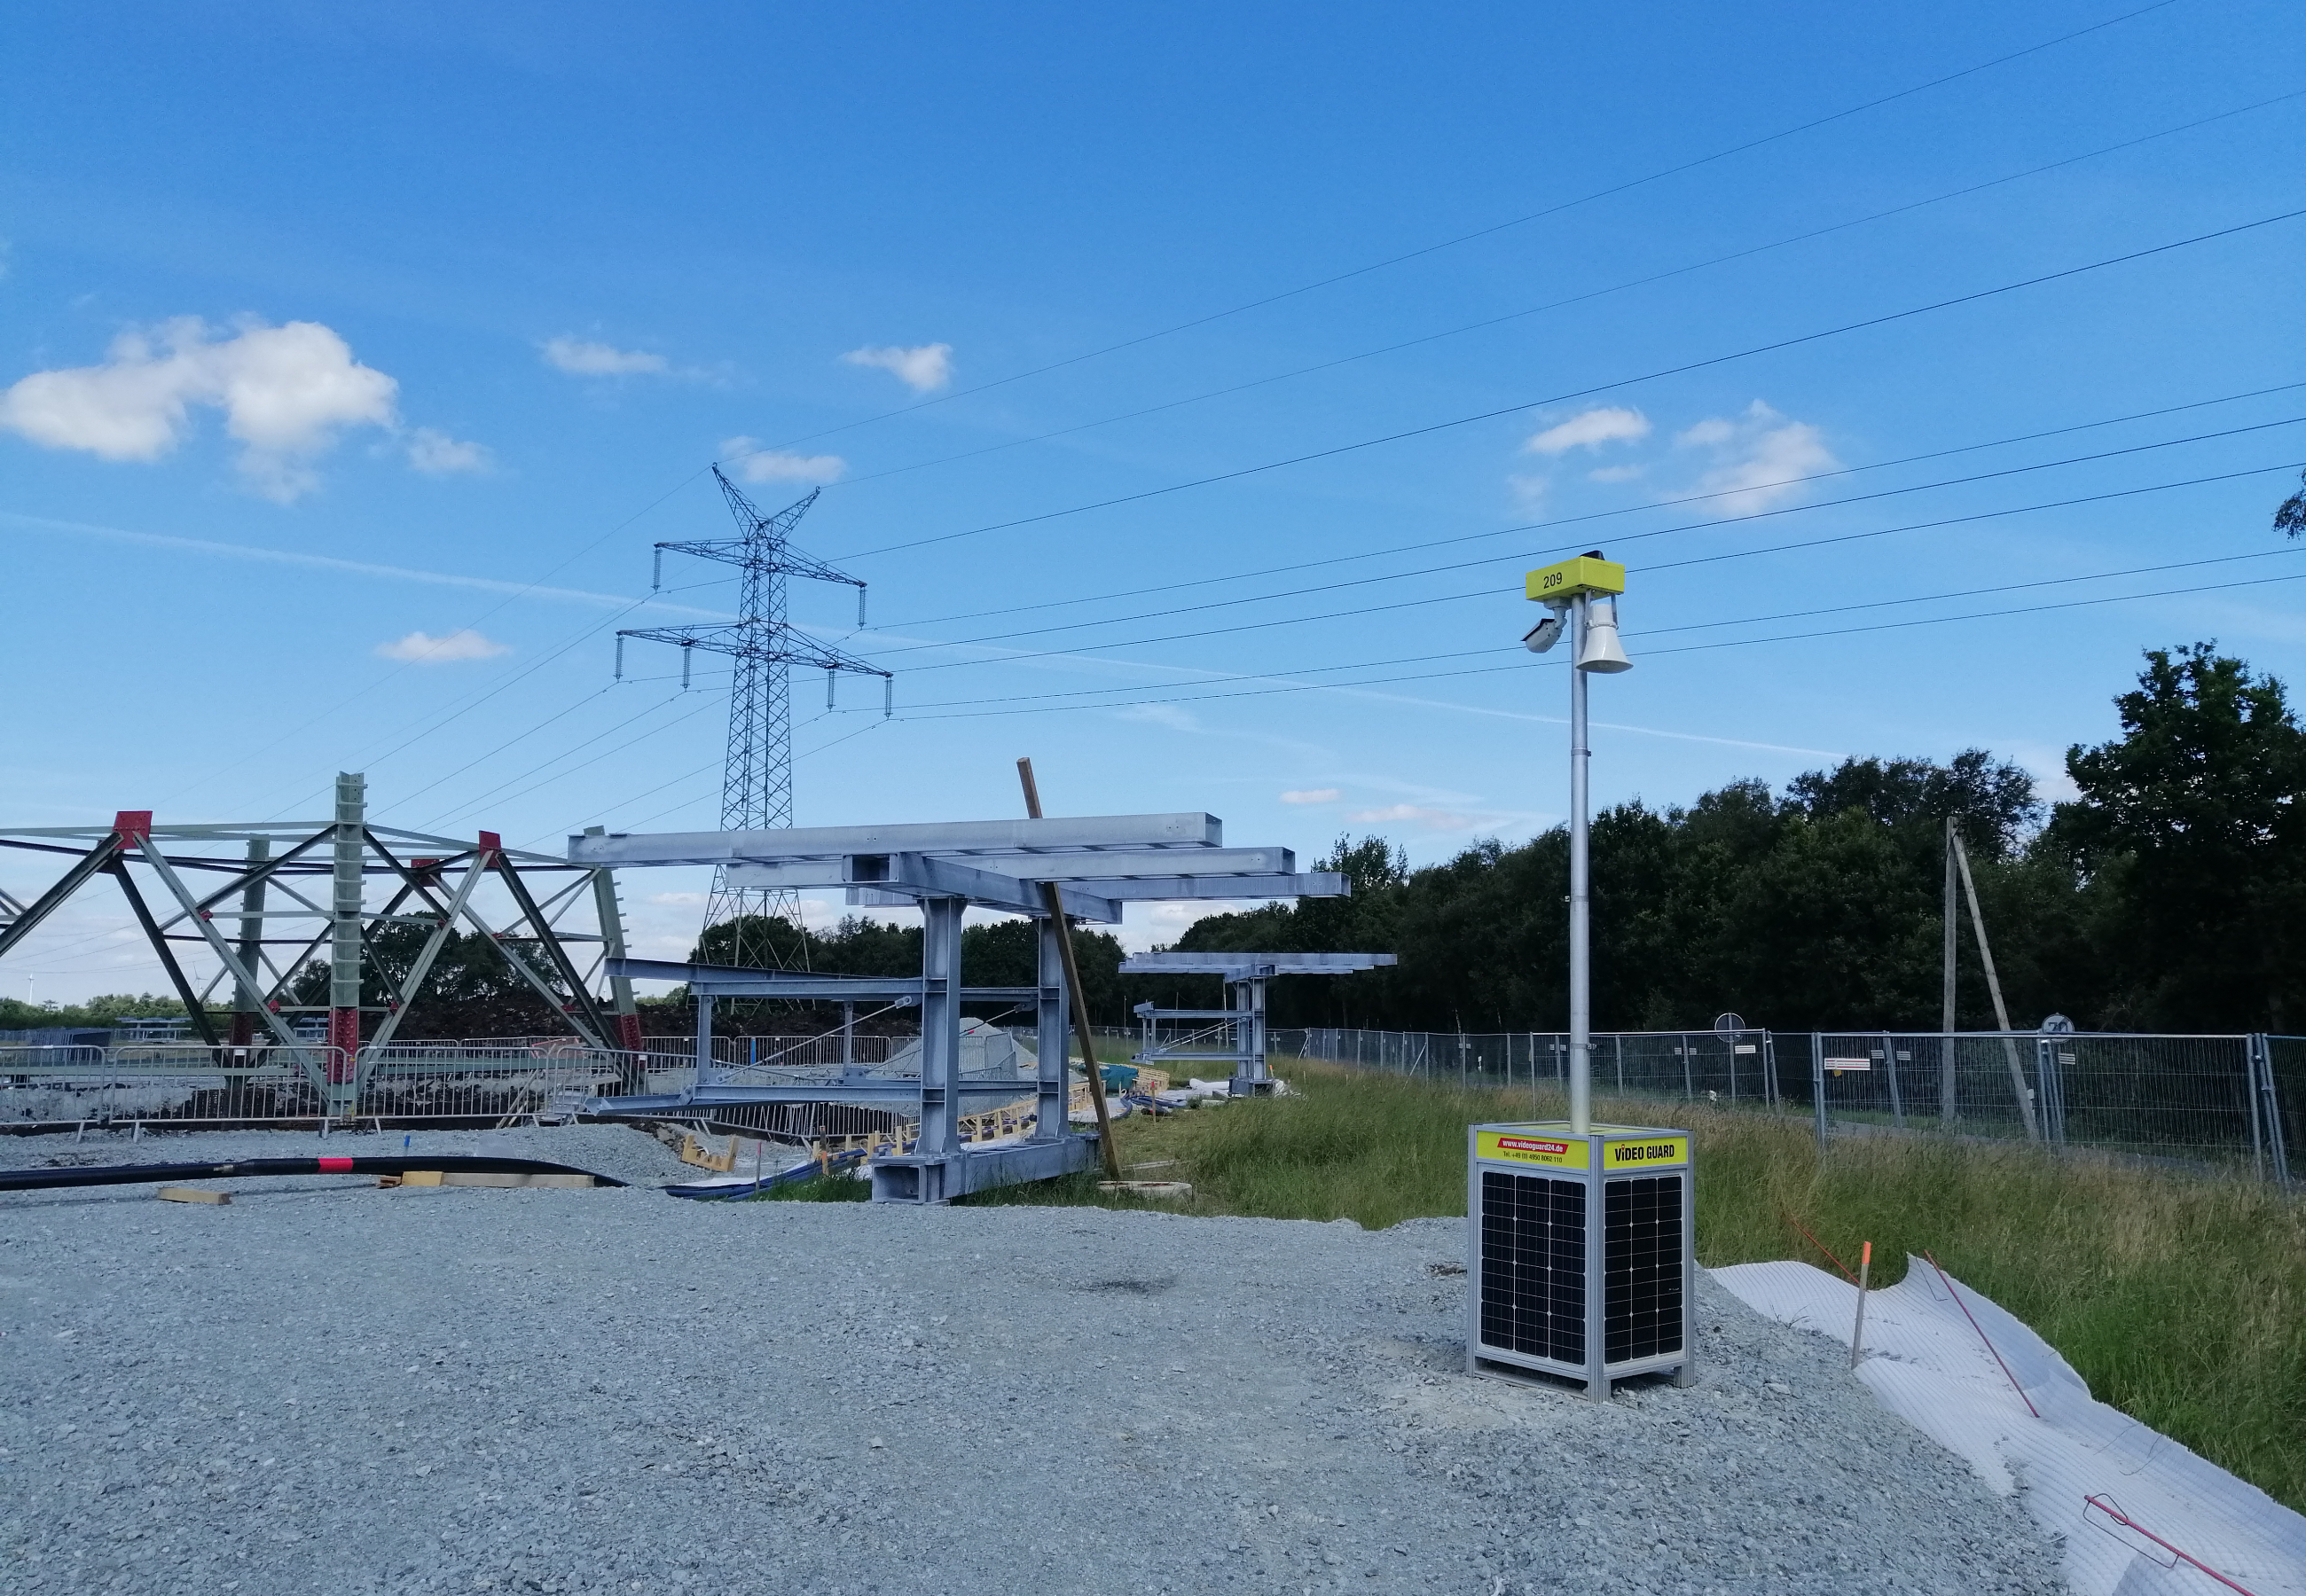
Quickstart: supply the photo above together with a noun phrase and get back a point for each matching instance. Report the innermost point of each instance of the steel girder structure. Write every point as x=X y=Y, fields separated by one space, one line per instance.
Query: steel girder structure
x=281 y=860
x=757 y=776
x=1241 y=1021
x=1097 y=862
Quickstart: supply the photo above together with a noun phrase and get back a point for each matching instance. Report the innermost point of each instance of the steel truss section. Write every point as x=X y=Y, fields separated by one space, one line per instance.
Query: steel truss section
x=274 y=881
x=1096 y=862
x=1238 y=1037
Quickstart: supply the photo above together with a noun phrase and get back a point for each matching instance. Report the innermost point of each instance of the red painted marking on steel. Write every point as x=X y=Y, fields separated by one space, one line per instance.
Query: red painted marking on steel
x=335 y=1166
x=1982 y=1336
x=133 y=825
x=2105 y=1505
x=491 y=842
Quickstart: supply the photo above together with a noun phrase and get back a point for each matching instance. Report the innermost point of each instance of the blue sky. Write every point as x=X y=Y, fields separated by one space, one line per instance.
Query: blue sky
x=354 y=357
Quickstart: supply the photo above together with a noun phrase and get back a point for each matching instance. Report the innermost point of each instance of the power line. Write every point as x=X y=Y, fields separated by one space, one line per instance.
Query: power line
x=1423 y=250
x=1685 y=648
x=1575 y=299
x=1010 y=656
x=1592 y=516
x=1169 y=610
x=1591 y=390
x=1204 y=675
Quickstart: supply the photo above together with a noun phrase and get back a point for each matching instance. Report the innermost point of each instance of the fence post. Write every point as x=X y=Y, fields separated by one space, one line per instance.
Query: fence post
x=1889 y=1062
x=1770 y=1067
x=1681 y=1046
x=2274 y=1145
x=1817 y=1084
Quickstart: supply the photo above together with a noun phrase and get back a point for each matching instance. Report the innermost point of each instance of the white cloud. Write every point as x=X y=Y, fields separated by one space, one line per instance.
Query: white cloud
x=759 y=464
x=1529 y=491
x=419 y=648
x=1162 y=714
x=580 y=357
x=285 y=392
x=922 y=368
x=1756 y=456
x=436 y=454
x=1591 y=428
x=678 y=900
x=1310 y=795
x=1441 y=820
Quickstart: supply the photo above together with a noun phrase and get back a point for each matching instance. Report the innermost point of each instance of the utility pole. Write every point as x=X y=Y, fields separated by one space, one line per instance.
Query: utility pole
x=1993 y=987
x=1947 y=1109
x=756 y=775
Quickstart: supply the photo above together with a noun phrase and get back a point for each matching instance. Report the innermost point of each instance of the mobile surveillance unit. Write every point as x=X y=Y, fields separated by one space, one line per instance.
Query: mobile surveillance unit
x=1581 y=1242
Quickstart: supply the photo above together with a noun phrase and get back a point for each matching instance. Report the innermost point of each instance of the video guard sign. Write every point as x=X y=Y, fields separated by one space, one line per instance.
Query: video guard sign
x=1580 y=1253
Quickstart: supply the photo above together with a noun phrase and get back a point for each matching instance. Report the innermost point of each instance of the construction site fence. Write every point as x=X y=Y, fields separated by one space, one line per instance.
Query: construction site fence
x=189 y=1084
x=2232 y=1102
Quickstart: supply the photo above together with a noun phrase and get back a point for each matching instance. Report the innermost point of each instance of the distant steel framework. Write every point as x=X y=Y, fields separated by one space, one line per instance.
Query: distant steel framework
x=1237 y=1035
x=756 y=780
x=317 y=872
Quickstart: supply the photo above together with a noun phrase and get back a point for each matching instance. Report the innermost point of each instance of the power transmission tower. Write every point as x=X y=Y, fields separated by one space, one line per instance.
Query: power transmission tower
x=757 y=780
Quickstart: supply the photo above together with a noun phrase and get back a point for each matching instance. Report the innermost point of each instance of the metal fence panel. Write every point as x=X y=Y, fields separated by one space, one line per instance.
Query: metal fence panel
x=2232 y=1102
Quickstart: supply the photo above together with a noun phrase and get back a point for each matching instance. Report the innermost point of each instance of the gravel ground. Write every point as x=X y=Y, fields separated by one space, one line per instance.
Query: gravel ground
x=336 y=1387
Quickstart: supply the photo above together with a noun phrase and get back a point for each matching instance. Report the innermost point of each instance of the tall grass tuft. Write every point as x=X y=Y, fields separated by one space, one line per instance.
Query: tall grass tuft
x=2180 y=1296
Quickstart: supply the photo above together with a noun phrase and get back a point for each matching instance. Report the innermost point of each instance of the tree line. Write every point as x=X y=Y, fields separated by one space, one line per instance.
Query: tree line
x=2168 y=894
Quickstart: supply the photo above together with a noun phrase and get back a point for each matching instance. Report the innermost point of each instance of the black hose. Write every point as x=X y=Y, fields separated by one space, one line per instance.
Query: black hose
x=129 y=1174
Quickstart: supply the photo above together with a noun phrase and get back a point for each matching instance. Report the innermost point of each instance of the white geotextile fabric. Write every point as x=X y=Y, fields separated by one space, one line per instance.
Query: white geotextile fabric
x=1926 y=1362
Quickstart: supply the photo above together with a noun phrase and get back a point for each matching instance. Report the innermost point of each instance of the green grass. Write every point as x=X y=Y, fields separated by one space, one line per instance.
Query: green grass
x=2180 y=1299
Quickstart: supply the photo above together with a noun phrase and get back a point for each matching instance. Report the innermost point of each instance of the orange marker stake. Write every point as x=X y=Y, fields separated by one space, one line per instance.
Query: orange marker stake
x=1857 y=1332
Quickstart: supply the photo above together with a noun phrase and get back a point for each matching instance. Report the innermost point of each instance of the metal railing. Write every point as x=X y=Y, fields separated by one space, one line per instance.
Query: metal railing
x=189 y=1084
x=2234 y=1103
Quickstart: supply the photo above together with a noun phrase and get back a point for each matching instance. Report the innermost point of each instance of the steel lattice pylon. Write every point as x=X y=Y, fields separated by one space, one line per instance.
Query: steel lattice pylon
x=757 y=780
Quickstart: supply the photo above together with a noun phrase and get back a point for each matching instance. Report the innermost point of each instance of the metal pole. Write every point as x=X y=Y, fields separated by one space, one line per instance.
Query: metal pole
x=941 y=1036
x=1581 y=962
x=1817 y=1084
x=246 y=998
x=1890 y=1066
x=612 y=915
x=1053 y=1113
x=350 y=854
x=703 y=1036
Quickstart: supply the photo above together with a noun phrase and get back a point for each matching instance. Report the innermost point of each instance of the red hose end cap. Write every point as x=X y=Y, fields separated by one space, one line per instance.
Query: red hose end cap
x=335 y=1166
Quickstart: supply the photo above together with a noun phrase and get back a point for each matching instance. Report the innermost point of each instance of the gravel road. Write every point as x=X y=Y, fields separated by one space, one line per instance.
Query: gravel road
x=324 y=1385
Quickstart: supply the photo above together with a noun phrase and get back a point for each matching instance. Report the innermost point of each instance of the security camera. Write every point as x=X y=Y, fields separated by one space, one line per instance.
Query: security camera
x=1543 y=635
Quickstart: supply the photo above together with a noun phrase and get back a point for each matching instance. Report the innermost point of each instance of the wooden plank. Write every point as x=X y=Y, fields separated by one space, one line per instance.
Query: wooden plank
x=192 y=1194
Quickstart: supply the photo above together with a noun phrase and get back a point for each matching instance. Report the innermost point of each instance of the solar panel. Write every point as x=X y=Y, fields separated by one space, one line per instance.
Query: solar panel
x=1641 y=1298
x=1534 y=1265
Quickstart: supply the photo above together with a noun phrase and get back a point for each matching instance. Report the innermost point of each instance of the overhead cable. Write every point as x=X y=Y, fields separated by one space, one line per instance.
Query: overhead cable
x=1008 y=656
x=1556 y=209
x=1576 y=299
x=1590 y=390
x=1172 y=609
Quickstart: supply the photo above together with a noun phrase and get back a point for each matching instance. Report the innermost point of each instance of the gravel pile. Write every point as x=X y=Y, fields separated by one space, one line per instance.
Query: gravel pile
x=464 y=1390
